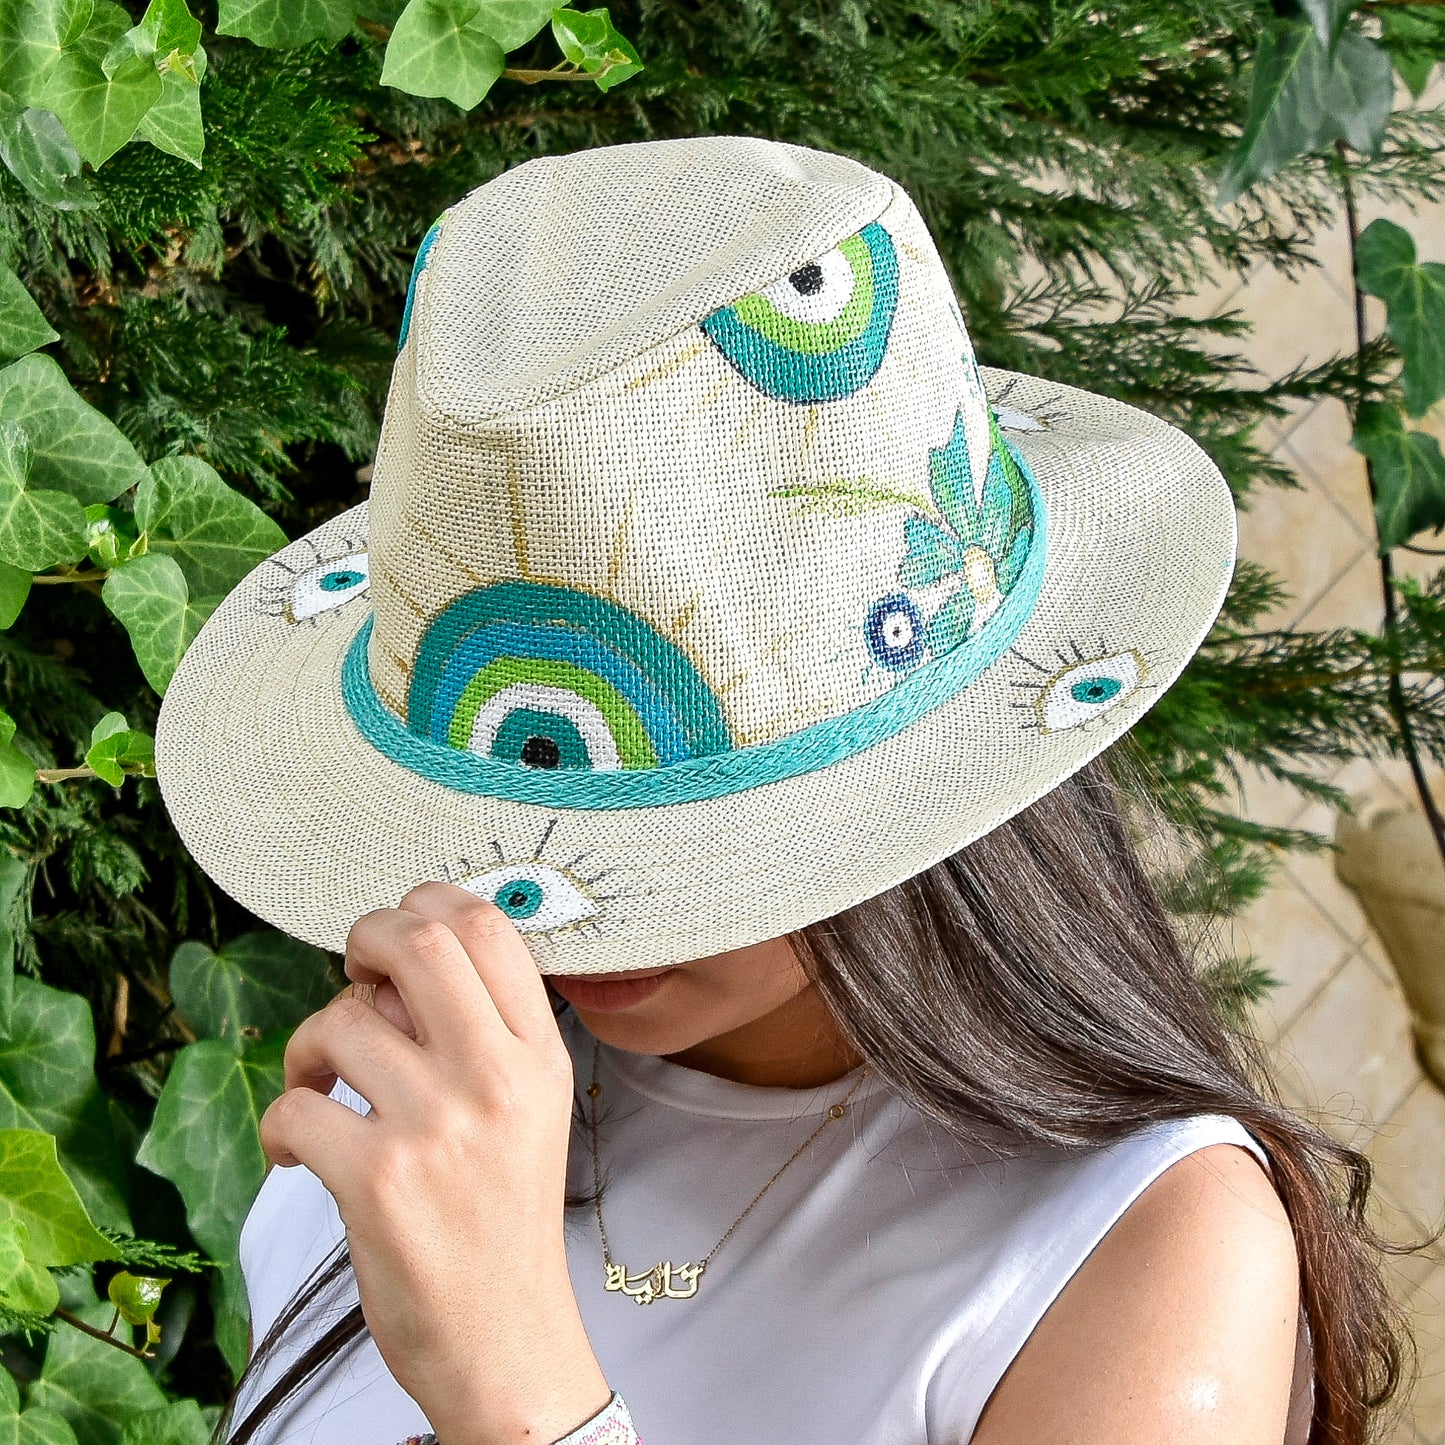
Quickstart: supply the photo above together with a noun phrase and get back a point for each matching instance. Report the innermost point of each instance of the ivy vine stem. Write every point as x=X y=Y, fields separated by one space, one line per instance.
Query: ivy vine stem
x=1396 y=691
x=80 y=1324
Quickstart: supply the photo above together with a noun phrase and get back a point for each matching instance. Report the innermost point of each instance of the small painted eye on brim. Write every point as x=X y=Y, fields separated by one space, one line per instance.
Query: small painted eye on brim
x=819 y=333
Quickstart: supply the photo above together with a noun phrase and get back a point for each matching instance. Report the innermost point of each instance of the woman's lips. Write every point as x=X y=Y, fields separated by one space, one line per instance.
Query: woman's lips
x=609 y=995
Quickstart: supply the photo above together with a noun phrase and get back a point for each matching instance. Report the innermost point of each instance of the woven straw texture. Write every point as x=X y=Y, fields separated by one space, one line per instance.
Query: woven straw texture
x=699 y=594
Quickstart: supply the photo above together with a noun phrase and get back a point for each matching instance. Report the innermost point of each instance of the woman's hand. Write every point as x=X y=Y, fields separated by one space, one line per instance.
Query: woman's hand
x=451 y=1188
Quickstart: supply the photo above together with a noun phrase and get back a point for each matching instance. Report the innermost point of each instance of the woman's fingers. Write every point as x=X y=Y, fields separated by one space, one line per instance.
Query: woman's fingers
x=498 y=952
x=464 y=972
x=449 y=1007
x=304 y=1127
x=351 y=1039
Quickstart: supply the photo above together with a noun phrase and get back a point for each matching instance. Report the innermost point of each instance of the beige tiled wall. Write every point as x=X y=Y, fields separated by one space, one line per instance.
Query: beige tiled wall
x=1337 y=1027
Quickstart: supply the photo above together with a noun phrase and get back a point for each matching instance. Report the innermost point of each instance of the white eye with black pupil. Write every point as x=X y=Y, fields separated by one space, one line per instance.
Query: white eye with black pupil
x=1081 y=692
x=816 y=293
x=535 y=897
x=328 y=585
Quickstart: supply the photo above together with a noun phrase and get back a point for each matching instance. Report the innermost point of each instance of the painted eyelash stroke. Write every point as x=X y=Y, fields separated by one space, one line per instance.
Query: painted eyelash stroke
x=462 y=870
x=276 y=593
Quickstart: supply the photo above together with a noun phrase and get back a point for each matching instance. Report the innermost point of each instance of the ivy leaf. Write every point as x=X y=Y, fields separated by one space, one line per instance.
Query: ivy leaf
x=214 y=533
x=38 y=528
x=91 y=1384
x=113 y=744
x=99 y=93
x=1302 y=100
x=256 y=984
x=17 y=772
x=1414 y=37
x=24 y=1284
x=1409 y=474
x=587 y=38
x=23 y=326
x=14 y=589
x=33 y=36
x=179 y=1423
x=283 y=23
x=136 y=1296
x=47 y=1082
x=173 y=123
x=75 y=448
x=1414 y=297
x=39 y=154
x=205 y=1139
x=443 y=48
x=35 y=1191
x=150 y=598
x=166 y=29
x=37 y=1426
x=111 y=535
x=1328 y=18
x=512 y=23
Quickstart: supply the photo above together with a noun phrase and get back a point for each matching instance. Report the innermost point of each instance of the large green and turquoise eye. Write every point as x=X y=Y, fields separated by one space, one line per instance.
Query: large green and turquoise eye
x=547 y=677
x=819 y=333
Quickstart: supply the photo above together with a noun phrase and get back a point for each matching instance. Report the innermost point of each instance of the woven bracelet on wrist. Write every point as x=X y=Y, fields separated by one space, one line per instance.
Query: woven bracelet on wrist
x=612 y=1425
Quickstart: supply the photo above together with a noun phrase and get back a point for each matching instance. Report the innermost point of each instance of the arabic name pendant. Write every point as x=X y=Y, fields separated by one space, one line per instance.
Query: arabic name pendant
x=656 y=1283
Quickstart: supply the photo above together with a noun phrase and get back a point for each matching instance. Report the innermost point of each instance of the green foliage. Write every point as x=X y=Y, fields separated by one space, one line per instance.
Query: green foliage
x=198 y=342
x=1409 y=474
x=204 y=1140
x=93 y=1386
x=258 y=983
x=33 y=1426
x=1306 y=96
x=1414 y=296
x=35 y=1193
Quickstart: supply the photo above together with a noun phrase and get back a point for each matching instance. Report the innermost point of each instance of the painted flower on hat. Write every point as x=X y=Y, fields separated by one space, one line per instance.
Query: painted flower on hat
x=818 y=333
x=983 y=540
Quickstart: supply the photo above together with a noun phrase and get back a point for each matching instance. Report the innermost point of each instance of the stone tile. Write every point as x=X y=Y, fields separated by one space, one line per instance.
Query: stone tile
x=1299 y=320
x=1409 y=1152
x=1353 y=1044
x=1385 y=1213
x=1282 y=531
x=1314 y=874
x=1265 y=799
x=1319 y=450
x=1427 y=1400
x=1353 y=596
x=1300 y=945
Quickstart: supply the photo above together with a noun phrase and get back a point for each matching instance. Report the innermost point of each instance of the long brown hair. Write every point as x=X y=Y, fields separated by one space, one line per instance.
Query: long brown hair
x=1032 y=987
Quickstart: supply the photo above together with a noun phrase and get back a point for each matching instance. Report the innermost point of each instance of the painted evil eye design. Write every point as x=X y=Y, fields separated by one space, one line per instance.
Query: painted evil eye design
x=819 y=333
x=1078 y=693
x=328 y=585
x=534 y=896
x=895 y=631
x=417 y=267
x=548 y=677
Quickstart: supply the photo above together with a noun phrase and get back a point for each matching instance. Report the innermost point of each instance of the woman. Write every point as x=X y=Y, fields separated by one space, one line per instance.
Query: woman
x=912 y=1123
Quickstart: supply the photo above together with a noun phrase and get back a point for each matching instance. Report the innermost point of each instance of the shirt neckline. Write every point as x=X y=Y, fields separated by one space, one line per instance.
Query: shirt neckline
x=696 y=1092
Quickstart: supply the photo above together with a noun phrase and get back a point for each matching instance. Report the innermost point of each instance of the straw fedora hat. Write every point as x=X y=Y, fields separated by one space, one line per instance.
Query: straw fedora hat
x=706 y=585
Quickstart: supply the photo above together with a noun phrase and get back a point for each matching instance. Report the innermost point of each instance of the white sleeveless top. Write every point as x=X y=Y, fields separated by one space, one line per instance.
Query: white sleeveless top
x=874 y=1296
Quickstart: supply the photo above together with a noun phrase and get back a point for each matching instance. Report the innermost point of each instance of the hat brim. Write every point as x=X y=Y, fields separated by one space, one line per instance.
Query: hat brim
x=291 y=810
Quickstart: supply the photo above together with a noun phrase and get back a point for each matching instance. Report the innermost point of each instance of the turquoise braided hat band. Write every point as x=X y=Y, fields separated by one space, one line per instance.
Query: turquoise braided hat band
x=691 y=757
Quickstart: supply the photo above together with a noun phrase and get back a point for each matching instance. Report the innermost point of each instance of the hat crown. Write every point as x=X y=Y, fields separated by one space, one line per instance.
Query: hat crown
x=687 y=480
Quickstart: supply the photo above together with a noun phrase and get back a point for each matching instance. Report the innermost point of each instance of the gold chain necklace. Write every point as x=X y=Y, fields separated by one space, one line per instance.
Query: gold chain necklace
x=657 y=1283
